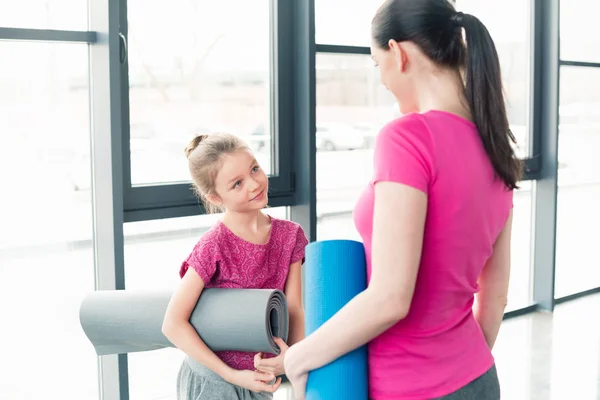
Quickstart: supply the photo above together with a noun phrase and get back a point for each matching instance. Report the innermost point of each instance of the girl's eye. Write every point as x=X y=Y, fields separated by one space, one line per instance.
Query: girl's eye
x=255 y=169
x=237 y=184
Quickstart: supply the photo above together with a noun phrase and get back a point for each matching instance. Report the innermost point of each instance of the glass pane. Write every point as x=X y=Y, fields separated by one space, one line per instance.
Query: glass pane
x=45 y=14
x=206 y=70
x=46 y=256
x=514 y=50
x=351 y=107
x=579 y=39
x=154 y=251
x=353 y=29
x=578 y=215
x=520 y=294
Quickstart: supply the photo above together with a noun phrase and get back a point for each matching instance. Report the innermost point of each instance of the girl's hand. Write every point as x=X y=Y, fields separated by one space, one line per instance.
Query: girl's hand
x=255 y=381
x=272 y=365
x=295 y=372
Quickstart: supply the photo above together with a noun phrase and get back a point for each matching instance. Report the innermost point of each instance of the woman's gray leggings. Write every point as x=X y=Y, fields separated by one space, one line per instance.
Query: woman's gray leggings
x=486 y=387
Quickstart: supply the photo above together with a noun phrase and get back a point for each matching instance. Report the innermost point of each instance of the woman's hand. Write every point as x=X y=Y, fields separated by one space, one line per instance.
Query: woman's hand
x=272 y=365
x=295 y=372
x=255 y=381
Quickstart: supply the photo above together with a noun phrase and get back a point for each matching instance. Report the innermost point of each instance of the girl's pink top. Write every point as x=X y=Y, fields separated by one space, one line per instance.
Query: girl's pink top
x=224 y=260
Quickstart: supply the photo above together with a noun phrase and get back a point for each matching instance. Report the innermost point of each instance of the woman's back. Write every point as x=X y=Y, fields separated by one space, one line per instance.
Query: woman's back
x=439 y=346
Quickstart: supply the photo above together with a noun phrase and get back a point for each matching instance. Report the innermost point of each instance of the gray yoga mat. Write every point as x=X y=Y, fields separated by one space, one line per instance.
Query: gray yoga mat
x=125 y=321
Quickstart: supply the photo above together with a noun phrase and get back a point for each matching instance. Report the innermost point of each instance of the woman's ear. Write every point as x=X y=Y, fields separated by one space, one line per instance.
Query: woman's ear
x=399 y=54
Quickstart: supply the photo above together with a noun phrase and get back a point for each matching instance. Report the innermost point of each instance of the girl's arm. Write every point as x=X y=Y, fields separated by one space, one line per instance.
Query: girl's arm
x=398 y=226
x=492 y=297
x=293 y=294
x=177 y=328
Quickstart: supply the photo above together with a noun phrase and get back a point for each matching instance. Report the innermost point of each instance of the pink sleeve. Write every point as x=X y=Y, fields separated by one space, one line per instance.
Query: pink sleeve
x=203 y=260
x=404 y=154
x=299 y=248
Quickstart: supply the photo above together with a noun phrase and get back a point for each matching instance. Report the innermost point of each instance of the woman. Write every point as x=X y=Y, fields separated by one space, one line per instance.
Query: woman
x=435 y=219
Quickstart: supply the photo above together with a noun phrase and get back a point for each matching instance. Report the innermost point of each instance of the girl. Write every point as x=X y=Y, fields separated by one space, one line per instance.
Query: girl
x=245 y=249
x=435 y=218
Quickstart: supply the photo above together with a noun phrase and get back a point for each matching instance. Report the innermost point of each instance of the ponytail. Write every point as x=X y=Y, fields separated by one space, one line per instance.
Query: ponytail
x=436 y=28
x=484 y=94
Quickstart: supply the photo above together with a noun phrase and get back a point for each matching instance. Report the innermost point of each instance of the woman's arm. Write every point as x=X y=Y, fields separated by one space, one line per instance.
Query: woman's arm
x=398 y=225
x=293 y=294
x=177 y=328
x=492 y=297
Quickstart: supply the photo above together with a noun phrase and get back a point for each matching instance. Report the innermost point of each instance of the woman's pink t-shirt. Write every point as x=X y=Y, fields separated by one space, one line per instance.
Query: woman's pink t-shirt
x=224 y=260
x=439 y=347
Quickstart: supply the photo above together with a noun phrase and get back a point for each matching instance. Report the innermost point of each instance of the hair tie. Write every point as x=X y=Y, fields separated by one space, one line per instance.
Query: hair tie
x=457 y=18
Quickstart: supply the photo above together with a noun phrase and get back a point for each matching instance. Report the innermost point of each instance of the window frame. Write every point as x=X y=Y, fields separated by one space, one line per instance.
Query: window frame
x=562 y=62
x=177 y=199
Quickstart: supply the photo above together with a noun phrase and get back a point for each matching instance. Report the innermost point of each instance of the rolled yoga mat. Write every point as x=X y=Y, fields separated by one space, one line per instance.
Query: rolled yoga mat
x=335 y=272
x=124 y=321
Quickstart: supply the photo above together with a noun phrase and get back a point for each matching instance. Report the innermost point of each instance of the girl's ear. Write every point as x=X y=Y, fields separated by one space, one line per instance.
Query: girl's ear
x=215 y=200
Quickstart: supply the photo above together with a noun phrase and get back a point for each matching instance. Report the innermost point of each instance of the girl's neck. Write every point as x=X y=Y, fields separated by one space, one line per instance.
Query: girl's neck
x=249 y=222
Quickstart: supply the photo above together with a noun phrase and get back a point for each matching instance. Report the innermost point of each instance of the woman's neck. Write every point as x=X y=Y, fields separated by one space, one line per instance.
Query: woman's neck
x=442 y=90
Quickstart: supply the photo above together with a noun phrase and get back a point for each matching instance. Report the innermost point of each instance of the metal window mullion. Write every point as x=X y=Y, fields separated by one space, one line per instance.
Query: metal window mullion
x=107 y=187
x=282 y=104
x=47 y=35
x=300 y=36
x=341 y=49
x=581 y=64
x=545 y=106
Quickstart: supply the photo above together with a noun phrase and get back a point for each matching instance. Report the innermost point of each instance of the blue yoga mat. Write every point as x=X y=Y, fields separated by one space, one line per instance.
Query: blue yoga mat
x=335 y=272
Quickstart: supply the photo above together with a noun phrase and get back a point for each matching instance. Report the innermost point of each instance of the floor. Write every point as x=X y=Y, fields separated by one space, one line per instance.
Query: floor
x=546 y=356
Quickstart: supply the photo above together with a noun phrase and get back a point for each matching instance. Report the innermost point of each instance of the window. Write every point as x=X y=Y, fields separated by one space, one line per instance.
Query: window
x=45 y=14
x=154 y=251
x=352 y=105
x=344 y=22
x=514 y=50
x=513 y=46
x=207 y=69
x=578 y=216
x=519 y=290
x=579 y=40
x=46 y=253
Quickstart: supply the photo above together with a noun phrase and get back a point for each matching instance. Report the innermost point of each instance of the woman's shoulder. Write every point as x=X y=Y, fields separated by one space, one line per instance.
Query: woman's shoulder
x=408 y=128
x=408 y=122
x=425 y=124
x=407 y=131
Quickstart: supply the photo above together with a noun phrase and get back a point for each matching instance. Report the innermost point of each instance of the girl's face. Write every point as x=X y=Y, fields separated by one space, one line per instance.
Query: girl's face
x=241 y=185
